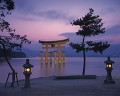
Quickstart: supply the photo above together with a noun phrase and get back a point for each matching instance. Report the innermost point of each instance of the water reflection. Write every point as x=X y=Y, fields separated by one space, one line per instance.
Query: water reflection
x=72 y=66
x=51 y=69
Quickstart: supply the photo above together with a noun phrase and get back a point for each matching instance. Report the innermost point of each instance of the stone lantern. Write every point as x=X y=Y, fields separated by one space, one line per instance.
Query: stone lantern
x=109 y=69
x=27 y=72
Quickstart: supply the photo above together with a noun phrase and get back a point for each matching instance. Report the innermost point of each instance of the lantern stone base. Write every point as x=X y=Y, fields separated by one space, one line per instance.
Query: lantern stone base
x=109 y=82
x=27 y=82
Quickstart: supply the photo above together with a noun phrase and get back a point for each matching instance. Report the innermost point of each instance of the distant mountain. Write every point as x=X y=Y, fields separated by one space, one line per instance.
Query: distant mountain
x=112 y=51
x=31 y=53
x=15 y=54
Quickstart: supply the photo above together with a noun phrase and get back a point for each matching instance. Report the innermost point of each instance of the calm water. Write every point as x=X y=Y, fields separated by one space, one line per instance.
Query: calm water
x=73 y=66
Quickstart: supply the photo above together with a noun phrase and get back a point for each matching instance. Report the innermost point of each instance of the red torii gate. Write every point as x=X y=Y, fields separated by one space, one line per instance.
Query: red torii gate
x=53 y=44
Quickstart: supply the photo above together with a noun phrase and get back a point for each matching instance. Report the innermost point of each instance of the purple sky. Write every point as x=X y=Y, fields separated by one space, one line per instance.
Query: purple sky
x=50 y=19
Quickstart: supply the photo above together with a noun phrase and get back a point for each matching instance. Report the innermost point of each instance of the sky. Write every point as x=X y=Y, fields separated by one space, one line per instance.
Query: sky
x=51 y=19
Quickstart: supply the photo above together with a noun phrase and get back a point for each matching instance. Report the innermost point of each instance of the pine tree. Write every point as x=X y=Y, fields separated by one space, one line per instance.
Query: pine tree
x=90 y=25
x=12 y=40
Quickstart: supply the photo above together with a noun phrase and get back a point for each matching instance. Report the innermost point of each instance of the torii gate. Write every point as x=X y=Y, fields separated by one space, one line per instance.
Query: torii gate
x=53 y=44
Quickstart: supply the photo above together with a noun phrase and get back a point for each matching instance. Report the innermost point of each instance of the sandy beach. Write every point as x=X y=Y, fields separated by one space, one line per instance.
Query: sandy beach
x=49 y=86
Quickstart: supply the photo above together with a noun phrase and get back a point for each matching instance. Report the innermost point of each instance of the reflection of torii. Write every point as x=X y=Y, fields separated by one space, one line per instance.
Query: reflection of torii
x=53 y=44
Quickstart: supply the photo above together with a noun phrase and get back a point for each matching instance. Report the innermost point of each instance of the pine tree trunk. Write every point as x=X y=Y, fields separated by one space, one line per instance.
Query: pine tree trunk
x=84 y=56
x=6 y=57
x=84 y=62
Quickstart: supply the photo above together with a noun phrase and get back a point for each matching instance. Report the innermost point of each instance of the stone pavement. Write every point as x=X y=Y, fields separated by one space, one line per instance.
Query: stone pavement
x=72 y=87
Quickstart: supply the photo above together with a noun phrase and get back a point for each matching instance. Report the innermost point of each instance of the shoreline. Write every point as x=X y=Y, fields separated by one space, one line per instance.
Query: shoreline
x=49 y=86
x=54 y=78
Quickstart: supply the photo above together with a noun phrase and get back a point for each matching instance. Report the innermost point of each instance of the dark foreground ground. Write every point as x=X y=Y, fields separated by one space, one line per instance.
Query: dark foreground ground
x=71 y=87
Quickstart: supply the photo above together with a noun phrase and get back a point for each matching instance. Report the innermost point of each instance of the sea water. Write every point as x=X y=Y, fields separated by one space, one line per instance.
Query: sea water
x=72 y=66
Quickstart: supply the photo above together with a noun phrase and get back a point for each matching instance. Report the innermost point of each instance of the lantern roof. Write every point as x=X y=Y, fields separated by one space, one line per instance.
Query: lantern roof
x=27 y=64
x=108 y=61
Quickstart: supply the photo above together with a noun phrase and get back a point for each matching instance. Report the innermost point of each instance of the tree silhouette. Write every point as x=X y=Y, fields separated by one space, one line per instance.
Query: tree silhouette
x=11 y=40
x=90 y=25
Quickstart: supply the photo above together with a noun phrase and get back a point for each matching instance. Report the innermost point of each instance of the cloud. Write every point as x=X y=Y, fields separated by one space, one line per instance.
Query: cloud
x=34 y=10
x=66 y=9
x=54 y=15
x=51 y=15
x=112 y=36
x=114 y=30
x=26 y=6
x=108 y=11
x=72 y=37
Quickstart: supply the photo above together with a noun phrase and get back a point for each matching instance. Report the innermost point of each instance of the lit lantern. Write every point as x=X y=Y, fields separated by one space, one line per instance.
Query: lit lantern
x=27 y=67
x=109 y=63
x=27 y=72
x=109 y=66
x=109 y=69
